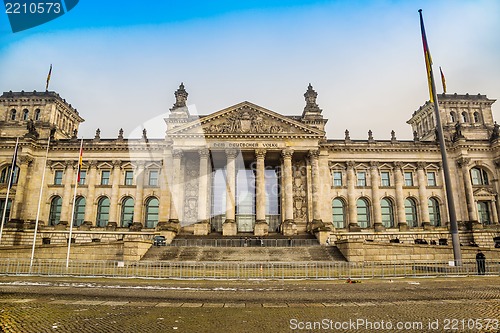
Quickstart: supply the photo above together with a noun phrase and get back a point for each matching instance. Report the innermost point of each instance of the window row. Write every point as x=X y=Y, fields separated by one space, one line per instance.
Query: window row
x=464 y=117
x=25 y=114
x=103 y=207
x=339 y=212
x=385 y=178
x=128 y=179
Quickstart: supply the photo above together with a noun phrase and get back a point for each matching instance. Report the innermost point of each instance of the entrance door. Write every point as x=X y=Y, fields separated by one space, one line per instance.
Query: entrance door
x=245 y=200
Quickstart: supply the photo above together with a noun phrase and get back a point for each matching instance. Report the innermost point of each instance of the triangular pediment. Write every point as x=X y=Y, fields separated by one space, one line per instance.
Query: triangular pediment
x=483 y=192
x=245 y=119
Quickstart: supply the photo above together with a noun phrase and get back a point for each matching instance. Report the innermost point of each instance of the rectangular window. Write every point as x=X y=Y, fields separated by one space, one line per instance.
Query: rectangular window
x=385 y=180
x=431 y=179
x=361 y=178
x=129 y=177
x=83 y=175
x=337 y=178
x=153 y=178
x=408 y=178
x=105 y=177
x=58 y=176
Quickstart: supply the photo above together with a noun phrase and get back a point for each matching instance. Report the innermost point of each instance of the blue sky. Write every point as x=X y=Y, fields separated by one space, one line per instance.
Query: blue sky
x=119 y=62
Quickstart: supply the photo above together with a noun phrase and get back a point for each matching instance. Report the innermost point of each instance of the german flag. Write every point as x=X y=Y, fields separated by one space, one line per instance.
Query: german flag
x=443 y=80
x=428 y=58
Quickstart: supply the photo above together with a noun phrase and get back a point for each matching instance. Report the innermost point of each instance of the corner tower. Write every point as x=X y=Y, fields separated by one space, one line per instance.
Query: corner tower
x=39 y=113
x=463 y=116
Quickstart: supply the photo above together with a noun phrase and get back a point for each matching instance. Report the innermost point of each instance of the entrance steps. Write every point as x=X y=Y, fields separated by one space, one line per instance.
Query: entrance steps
x=253 y=253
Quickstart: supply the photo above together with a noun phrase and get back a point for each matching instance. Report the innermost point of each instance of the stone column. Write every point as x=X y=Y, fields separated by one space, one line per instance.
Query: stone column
x=175 y=200
x=229 y=226
x=288 y=227
x=261 y=227
x=139 y=193
x=351 y=198
x=164 y=193
x=494 y=212
x=114 y=215
x=203 y=225
x=377 y=210
x=316 y=207
x=422 y=196
x=89 y=202
x=400 y=199
x=19 y=199
x=469 y=194
x=67 y=197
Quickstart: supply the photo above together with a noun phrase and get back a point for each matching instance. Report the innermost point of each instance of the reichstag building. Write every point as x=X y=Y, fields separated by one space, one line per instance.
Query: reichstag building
x=247 y=170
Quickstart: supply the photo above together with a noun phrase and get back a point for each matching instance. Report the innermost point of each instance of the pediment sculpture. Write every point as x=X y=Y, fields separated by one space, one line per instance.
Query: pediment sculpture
x=246 y=121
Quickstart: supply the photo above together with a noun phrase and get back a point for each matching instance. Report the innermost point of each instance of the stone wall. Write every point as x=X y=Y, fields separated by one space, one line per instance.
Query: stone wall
x=15 y=237
x=130 y=250
x=482 y=237
x=360 y=250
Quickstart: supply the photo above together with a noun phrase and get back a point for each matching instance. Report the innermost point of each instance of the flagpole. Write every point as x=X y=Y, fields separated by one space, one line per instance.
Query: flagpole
x=444 y=156
x=39 y=203
x=12 y=169
x=74 y=200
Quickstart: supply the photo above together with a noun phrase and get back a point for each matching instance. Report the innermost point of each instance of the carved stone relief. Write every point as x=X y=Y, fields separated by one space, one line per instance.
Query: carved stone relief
x=299 y=192
x=191 y=182
x=247 y=120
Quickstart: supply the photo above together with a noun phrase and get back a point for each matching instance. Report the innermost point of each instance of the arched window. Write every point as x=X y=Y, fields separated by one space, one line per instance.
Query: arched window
x=465 y=117
x=453 y=117
x=102 y=212
x=127 y=216
x=55 y=210
x=13 y=114
x=37 y=114
x=411 y=212
x=338 y=213
x=434 y=213
x=479 y=176
x=363 y=211
x=26 y=114
x=79 y=216
x=152 y=208
x=476 y=117
x=387 y=213
x=5 y=175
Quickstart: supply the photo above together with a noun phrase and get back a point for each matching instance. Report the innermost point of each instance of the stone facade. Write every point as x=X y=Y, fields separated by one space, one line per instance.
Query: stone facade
x=247 y=169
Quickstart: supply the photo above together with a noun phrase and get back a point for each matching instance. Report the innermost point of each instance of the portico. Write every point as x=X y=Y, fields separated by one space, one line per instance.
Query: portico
x=245 y=169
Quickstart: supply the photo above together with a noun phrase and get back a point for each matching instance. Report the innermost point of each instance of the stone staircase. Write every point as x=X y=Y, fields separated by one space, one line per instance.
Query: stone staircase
x=208 y=253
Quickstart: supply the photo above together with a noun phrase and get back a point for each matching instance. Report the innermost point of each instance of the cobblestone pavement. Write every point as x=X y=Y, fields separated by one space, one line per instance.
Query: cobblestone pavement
x=42 y=304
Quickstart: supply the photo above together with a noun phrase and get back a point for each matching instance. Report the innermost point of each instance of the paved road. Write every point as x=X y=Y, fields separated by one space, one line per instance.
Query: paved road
x=45 y=304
